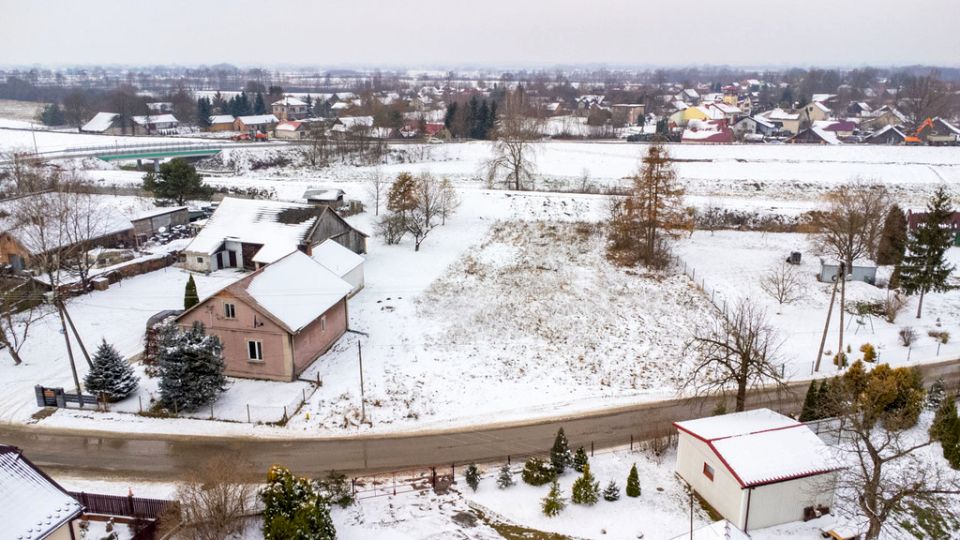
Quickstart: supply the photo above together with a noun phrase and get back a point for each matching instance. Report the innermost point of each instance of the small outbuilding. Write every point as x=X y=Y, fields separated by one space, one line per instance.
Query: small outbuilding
x=863 y=270
x=344 y=263
x=757 y=468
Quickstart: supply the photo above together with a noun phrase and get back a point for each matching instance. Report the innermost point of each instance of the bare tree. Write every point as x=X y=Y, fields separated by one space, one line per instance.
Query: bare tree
x=421 y=219
x=316 y=148
x=449 y=200
x=377 y=186
x=885 y=470
x=86 y=222
x=850 y=223
x=514 y=145
x=784 y=284
x=24 y=174
x=711 y=218
x=20 y=306
x=740 y=350
x=923 y=97
x=213 y=504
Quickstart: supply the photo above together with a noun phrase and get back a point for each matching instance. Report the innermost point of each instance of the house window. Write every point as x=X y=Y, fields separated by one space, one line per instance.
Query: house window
x=708 y=471
x=255 y=351
x=200 y=260
x=230 y=311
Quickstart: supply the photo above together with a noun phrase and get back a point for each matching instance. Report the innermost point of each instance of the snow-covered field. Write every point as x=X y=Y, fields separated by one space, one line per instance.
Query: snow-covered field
x=531 y=317
x=731 y=265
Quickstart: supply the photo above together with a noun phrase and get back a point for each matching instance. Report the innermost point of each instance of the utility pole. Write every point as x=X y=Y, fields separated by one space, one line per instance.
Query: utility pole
x=66 y=337
x=363 y=401
x=76 y=334
x=826 y=325
x=843 y=296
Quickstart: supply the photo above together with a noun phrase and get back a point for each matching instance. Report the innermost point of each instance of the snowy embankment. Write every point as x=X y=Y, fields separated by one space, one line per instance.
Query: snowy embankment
x=731 y=265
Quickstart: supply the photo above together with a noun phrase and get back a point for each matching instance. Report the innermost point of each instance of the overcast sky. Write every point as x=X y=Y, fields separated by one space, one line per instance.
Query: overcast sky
x=493 y=32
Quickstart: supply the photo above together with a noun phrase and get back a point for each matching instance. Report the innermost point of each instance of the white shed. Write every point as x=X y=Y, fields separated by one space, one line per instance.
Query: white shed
x=757 y=468
x=338 y=259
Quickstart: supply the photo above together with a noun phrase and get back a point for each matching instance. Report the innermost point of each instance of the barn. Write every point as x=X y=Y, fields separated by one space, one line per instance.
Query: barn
x=756 y=468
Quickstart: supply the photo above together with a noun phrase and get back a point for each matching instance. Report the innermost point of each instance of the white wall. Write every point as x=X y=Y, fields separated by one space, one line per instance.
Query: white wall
x=355 y=279
x=784 y=502
x=723 y=493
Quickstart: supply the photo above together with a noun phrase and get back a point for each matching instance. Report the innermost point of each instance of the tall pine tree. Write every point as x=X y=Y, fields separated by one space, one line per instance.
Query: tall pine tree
x=809 y=410
x=633 y=482
x=191 y=369
x=190 y=296
x=111 y=377
x=259 y=107
x=893 y=238
x=560 y=455
x=924 y=268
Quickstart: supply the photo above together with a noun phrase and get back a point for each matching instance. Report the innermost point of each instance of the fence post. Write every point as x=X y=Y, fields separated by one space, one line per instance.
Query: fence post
x=130 y=503
x=453 y=473
x=62 y=400
x=38 y=390
x=433 y=477
x=591 y=448
x=140 y=401
x=508 y=459
x=631 y=442
x=394 y=483
x=248 y=413
x=211 y=410
x=284 y=413
x=303 y=392
x=353 y=486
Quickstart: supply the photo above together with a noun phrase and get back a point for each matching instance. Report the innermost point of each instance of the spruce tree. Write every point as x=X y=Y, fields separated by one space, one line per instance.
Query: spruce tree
x=191 y=369
x=924 y=268
x=945 y=415
x=586 y=489
x=893 y=238
x=204 y=110
x=505 y=479
x=633 y=482
x=177 y=181
x=825 y=397
x=472 y=476
x=580 y=460
x=611 y=492
x=554 y=502
x=293 y=510
x=259 y=107
x=560 y=455
x=936 y=395
x=190 y=296
x=536 y=472
x=808 y=412
x=111 y=377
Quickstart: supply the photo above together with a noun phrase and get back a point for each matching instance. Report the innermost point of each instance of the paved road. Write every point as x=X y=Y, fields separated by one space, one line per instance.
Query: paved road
x=171 y=457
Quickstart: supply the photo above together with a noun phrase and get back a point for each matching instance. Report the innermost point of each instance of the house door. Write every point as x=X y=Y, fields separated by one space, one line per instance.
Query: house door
x=233 y=258
x=219 y=261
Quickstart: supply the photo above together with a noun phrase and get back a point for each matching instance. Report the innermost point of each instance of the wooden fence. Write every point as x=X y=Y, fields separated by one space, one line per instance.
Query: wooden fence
x=57 y=397
x=118 y=505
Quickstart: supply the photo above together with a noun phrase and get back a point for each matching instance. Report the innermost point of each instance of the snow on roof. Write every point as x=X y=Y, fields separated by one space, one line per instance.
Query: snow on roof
x=31 y=505
x=289 y=101
x=835 y=125
x=155 y=119
x=351 y=121
x=763 y=121
x=296 y=289
x=710 y=112
x=289 y=125
x=780 y=114
x=257 y=119
x=886 y=129
x=948 y=125
x=104 y=215
x=679 y=105
x=828 y=137
x=817 y=98
x=735 y=424
x=254 y=222
x=100 y=122
x=221 y=119
x=719 y=530
x=726 y=108
x=821 y=106
x=336 y=258
x=339 y=106
x=761 y=446
x=323 y=194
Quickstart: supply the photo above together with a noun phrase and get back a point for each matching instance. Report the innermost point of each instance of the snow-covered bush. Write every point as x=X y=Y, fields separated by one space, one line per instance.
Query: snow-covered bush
x=111 y=377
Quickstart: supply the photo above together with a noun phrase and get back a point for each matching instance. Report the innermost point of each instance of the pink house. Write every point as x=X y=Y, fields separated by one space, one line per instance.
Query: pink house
x=275 y=322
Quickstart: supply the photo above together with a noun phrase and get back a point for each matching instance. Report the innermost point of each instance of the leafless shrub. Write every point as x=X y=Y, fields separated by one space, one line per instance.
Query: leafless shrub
x=784 y=284
x=213 y=503
x=907 y=336
x=892 y=306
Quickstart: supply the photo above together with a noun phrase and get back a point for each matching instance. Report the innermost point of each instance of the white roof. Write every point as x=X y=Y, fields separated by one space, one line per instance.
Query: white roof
x=763 y=447
x=336 y=258
x=221 y=119
x=31 y=505
x=350 y=121
x=829 y=137
x=780 y=114
x=719 y=530
x=323 y=194
x=886 y=129
x=817 y=98
x=253 y=222
x=339 y=106
x=821 y=106
x=100 y=122
x=297 y=290
x=289 y=101
x=257 y=119
x=156 y=119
